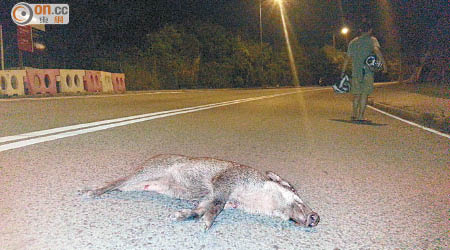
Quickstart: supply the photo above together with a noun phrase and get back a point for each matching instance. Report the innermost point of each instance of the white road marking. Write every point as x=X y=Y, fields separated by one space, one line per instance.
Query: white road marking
x=107 y=124
x=411 y=123
x=86 y=125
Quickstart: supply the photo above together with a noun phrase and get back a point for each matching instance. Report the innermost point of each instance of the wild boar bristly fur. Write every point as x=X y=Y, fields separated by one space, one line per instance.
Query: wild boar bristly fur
x=215 y=184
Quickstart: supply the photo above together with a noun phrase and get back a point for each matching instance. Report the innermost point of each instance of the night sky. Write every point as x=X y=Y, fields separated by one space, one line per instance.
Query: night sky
x=99 y=27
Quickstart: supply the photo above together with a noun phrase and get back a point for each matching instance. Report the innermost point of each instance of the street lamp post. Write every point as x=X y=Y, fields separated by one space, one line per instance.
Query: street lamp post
x=261 y=31
x=260 y=34
x=1 y=48
x=344 y=31
x=334 y=40
x=260 y=24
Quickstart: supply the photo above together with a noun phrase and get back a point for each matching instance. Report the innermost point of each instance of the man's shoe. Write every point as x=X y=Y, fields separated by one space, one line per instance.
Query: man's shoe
x=363 y=121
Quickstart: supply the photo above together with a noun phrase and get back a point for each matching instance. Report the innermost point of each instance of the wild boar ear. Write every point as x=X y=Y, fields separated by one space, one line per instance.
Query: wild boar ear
x=274 y=177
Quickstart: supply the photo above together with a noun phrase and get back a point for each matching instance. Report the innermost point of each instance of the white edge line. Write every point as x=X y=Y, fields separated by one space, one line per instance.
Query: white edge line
x=127 y=120
x=411 y=123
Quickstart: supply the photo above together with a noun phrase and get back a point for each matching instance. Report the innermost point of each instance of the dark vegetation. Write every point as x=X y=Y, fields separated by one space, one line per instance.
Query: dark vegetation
x=215 y=44
x=209 y=56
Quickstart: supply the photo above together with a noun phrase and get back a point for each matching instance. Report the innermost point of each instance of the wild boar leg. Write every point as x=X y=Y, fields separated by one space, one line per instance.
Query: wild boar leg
x=195 y=213
x=109 y=187
x=211 y=213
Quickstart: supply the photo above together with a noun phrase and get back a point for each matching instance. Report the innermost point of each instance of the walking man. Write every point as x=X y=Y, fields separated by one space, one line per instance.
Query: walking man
x=362 y=77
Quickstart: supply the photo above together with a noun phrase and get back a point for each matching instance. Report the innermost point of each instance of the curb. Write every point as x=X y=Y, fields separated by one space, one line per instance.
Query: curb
x=425 y=119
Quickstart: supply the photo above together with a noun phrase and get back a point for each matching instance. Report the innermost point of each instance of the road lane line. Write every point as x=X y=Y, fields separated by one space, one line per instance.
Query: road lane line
x=98 y=128
x=92 y=124
x=85 y=125
x=102 y=125
x=411 y=123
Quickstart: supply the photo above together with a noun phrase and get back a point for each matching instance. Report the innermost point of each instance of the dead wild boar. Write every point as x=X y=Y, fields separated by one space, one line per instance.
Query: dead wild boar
x=215 y=184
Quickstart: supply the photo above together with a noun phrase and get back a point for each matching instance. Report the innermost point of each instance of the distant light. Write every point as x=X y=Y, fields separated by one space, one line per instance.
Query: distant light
x=39 y=46
x=345 y=31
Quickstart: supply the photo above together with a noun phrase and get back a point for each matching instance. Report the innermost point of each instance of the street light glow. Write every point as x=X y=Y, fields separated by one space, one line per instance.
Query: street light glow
x=345 y=31
x=39 y=46
x=288 y=44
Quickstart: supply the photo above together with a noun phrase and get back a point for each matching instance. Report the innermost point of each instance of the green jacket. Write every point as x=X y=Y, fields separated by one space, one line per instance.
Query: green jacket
x=358 y=50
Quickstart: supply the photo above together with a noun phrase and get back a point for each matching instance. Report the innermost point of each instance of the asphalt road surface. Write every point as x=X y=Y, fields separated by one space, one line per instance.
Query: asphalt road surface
x=383 y=185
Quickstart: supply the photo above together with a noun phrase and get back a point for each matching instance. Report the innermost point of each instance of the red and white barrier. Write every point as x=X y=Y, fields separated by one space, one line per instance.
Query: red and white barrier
x=71 y=80
x=52 y=81
x=118 y=80
x=92 y=81
x=41 y=81
x=12 y=82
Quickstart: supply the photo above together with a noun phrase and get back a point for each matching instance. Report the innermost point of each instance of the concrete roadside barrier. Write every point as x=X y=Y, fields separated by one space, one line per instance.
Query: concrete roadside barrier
x=92 y=81
x=12 y=82
x=52 y=81
x=71 y=80
x=106 y=81
x=118 y=80
x=42 y=81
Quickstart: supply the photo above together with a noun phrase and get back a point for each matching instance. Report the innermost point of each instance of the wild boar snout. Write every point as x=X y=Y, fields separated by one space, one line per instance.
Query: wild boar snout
x=312 y=219
x=303 y=216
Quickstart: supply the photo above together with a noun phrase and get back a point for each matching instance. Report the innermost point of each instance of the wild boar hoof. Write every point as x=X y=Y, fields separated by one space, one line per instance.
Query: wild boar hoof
x=206 y=224
x=87 y=193
x=184 y=214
